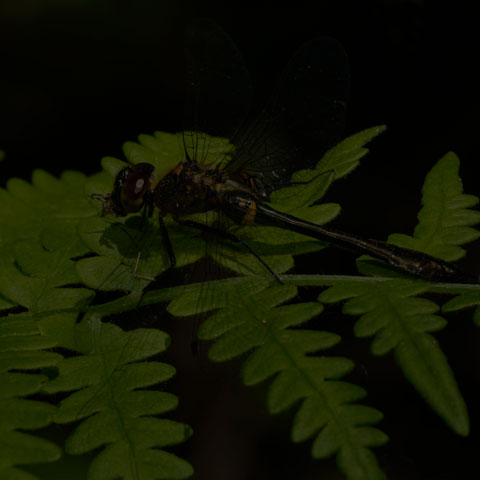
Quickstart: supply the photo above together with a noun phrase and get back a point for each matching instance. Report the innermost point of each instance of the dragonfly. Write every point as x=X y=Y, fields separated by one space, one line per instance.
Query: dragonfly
x=303 y=119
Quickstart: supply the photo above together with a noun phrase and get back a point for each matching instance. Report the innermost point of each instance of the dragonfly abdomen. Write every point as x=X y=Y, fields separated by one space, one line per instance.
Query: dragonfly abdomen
x=411 y=261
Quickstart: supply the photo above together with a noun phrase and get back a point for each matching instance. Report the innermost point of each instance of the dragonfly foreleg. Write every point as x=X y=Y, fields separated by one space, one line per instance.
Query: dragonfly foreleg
x=168 y=247
x=138 y=275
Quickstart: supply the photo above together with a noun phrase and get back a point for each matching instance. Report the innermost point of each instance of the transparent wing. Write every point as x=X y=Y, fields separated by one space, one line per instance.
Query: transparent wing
x=304 y=117
x=218 y=91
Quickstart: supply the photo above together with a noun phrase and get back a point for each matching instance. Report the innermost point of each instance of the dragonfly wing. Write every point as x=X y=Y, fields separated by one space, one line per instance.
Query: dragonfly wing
x=304 y=117
x=218 y=91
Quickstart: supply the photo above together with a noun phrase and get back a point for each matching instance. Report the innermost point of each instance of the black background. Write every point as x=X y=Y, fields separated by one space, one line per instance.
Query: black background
x=80 y=78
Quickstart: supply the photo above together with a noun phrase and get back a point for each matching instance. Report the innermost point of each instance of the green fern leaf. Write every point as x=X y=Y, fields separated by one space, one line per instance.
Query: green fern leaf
x=339 y=161
x=38 y=240
x=21 y=351
x=251 y=317
x=401 y=322
x=445 y=221
x=38 y=273
x=109 y=379
x=465 y=300
x=446 y=218
x=106 y=380
x=246 y=312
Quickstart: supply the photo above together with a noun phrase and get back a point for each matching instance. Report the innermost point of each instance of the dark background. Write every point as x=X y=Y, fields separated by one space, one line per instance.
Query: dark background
x=80 y=78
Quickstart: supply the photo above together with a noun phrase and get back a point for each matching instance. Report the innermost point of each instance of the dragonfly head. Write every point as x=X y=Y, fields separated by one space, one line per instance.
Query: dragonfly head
x=131 y=185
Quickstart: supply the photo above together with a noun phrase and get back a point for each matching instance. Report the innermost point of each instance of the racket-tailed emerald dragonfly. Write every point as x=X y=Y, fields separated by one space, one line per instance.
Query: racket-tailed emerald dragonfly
x=302 y=120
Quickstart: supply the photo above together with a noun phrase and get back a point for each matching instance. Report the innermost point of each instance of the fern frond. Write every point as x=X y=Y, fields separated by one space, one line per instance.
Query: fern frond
x=39 y=239
x=446 y=218
x=21 y=352
x=339 y=161
x=109 y=379
x=255 y=319
x=401 y=322
x=445 y=221
x=38 y=273
x=465 y=300
x=106 y=381
x=35 y=262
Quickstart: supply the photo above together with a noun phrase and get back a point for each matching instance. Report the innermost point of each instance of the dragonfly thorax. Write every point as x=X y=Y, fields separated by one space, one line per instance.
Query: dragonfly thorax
x=192 y=188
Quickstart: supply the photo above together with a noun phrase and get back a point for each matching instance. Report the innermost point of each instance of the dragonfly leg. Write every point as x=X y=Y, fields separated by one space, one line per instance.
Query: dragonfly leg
x=137 y=275
x=228 y=236
x=168 y=246
x=147 y=213
x=167 y=242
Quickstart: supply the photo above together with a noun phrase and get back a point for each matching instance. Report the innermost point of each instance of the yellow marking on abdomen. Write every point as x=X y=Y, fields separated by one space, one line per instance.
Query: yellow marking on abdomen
x=249 y=217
